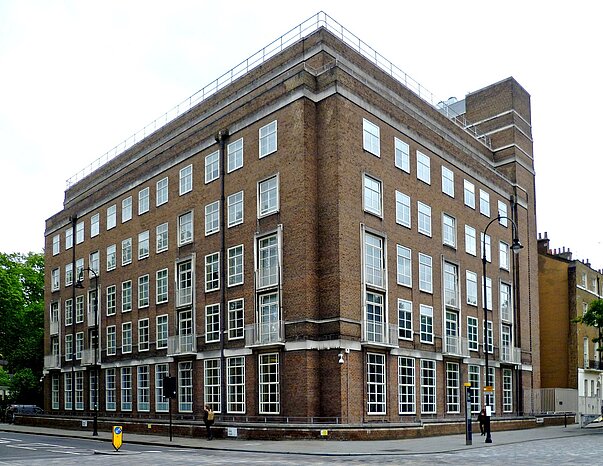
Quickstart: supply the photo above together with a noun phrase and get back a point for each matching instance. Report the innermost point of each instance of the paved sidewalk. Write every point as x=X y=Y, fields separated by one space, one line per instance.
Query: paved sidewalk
x=426 y=445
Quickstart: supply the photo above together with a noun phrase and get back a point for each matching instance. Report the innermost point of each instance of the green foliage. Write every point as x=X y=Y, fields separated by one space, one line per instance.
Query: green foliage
x=25 y=387
x=22 y=317
x=593 y=317
x=4 y=378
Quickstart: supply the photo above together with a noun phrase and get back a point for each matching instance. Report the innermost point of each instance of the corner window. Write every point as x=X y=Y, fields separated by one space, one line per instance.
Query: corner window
x=268 y=142
x=371 y=139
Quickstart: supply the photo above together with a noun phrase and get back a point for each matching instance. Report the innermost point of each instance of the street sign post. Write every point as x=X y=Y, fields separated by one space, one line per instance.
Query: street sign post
x=117 y=437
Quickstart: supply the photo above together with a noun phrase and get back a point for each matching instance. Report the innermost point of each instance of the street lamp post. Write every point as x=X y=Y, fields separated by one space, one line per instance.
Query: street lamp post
x=96 y=372
x=515 y=247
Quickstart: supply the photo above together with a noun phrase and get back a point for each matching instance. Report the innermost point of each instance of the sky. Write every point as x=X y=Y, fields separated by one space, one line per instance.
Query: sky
x=79 y=77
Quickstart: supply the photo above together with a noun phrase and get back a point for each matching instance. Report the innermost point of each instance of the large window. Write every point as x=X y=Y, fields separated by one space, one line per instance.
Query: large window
x=426 y=314
x=472 y=334
x=212 y=167
x=402 y=155
x=372 y=195
x=375 y=384
x=269 y=318
x=428 y=386
x=212 y=323
x=212 y=377
x=449 y=230
x=212 y=218
x=161 y=235
x=507 y=391
x=162 y=405
x=506 y=309
x=126 y=389
x=143 y=201
x=79 y=390
x=403 y=209
x=235 y=265
x=143 y=291
x=55 y=391
x=110 y=390
x=425 y=273
x=68 y=311
x=406 y=385
x=375 y=317
x=126 y=337
x=470 y=240
x=68 y=398
x=469 y=194
x=424 y=218
x=161 y=286
x=423 y=168
x=453 y=402
x=503 y=255
x=126 y=251
x=236 y=319
x=56 y=244
x=126 y=296
x=143 y=335
x=212 y=272
x=451 y=285
x=235 y=209
x=111 y=340
x=185 y=387
x=162 y=194
x=471 y=285
x=143 y=388
x=268 y=139
x=185 y=283
x=162 y=331
x=69 y=347
x=490 y=337
x=269 y=389
x=186 y=179
x=374 y=266
x=235 y=384
x=234 y=152
x=268 y=261
x=370 y=138
x=447 y=181
x=185 y=228
x=404 y=273
x=79 y=309
x=404 y=319
x=475 y=390
x=268 y=198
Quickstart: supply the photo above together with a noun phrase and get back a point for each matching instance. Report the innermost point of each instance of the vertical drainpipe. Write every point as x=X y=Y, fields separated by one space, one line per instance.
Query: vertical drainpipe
x=73 y=281
x=221 y=138
x=517 y=310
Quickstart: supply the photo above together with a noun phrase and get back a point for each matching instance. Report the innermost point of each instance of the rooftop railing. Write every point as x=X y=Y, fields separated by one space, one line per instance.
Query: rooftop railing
x=315 y=22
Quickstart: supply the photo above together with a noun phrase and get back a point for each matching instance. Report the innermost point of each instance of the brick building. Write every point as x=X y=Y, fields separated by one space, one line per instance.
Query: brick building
x=303 y=242
x=569 y=359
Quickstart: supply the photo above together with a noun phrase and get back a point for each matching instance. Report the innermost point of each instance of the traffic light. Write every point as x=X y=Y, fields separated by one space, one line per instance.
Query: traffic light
x=169 y=387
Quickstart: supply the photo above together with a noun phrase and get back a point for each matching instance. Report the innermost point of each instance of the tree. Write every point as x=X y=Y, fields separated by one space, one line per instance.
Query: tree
x=22 y=318
x=593 y=317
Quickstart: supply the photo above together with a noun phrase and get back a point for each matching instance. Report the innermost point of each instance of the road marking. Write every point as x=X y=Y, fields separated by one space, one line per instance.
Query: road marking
x=65 y=452
x=20 y=446
x=11 y=439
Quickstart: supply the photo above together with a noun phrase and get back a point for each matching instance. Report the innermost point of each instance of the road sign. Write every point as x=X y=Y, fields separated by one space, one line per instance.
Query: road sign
x=488 y=388
x=117 y=437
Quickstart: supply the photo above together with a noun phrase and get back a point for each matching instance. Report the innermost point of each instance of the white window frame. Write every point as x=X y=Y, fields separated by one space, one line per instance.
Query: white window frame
x=472 y=333
x=502 y=213
x=111 y=300
x=143 y=245
x=212 y=272
x=426 y=322
x=111 y=216
x=372 y=189
x=161 y=286
x=404 y=266
x=268 y=139
x=162 y=331
x=503 y=255
x=484 y=203
x=269 y=383
x=185 y=180
x=144 y=335
x=469 y=194
x=271 y=204
x=236 y=319
x=111 y=340
x=212 y=167
x=56 y=244
x=235 y=203
x=405 y=320
x=126 y=251
x=94 y=225
x=447 y=181
x=425 y=273
x=423 y=167
x=143 y=200
x=126 y=337
x=185 y=228
x=234 y=155
x=371 y=137
x=143 y=291
x=212 y=218
x=402 y=155
x=185 y=387
x=111 y=257
x=406 y=386
x=403 y=213
x=161 y=237
x=486 y=244
x=376 y=384
x=471 y=287
x=126 y=296
x=470 y=240
x=428 y=382
x=212 y=323
x=235 y=385
x=126 y=209
x=236 y=270
x=162 y=192
x=79 y=233
x=424 y=218
x=449 y=230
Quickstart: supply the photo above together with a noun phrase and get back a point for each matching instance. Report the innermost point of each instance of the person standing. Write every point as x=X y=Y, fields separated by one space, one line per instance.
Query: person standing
x=208 y=419
x=481 y=417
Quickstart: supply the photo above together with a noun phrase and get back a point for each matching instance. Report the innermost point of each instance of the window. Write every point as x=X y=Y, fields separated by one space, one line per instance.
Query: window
x=502 y=213
x=68 y=238
x=406 y=385
x=143 y=201
x=453 y=404
x=449 y=230
x=79 y=345
x=490 y=337
x=68 y=312
x=126 y=251
x=490 y=398
x=475 y=390
x=507 y=404
x=55 y=279
x=79 y=390
x=469 y=194
x=184 y=296
x=375 y=318
x=161 y=238
x=79 y=233
x=375 y=383
x=423 y=168
x=447 y=181
x=402 y=154
x=162 y=331
x=111 y=341
x=212 y=218
x=268 y=261
x=143 y=335
x=506 y=308
x=144 y=395
x=235 y=265
x=162 y=192
x=404 y=266
x=374 y=264
x=212 y=377
x=56 y=244
x=185 y=228
x=234 y=153
x=426 y=313
x=484 y=203
x=235 y=384
x=55 y=391
x=235 y=209
x=486 y=247
x=404 y=319
x=425 y=273
x=126 y=296
x=111 y=257
x=212 y=167
x=111 y=300
x=268 y=198
x=236 y=319
x=162 y=405
x=372 y=195
x=212 y=272
x=69 y=274
x=161 y=286
x=143 y=291
x=79 y=309
x=126 y=389
x=126 y=337
x=428 y=386
x=68 y=398
x=94 y=261
x=451 y=285
x=503 y=255
x=470 y=240
x=143 y=245
x=472 y=335
x=111 y=216
x=402 y=209
x=471 y=291
x=185 y=387
x=110 y=389
x=68 y=347
x=424 y=218
x=94 y=225
x=505 y=343
x=269 y=389
x=488 y=298
x=371 y=139
x=126 y=209
x=269 y=318
x=186 y=179
x=268 y=139
x=212 y=323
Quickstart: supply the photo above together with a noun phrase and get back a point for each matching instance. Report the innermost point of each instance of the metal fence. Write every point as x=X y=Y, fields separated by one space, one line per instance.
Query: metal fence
x=550 y=400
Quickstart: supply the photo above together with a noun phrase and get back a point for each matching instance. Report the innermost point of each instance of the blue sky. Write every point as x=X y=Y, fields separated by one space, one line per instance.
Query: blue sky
x=79 y=77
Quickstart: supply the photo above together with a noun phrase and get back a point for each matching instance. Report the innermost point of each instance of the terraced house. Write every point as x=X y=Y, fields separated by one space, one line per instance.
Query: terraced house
x=304 y=241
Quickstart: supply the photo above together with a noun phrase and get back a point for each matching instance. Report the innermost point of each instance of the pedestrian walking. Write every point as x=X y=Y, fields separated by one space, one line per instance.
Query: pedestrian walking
x=481 y=418
x=208 y=419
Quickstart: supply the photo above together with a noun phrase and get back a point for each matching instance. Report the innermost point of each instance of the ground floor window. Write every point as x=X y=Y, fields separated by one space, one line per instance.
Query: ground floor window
x=428 y=386
x=375 y=383
x=79 y=390
x=92 y=386
x=235 y=368
x=507 y=391
x=453 y=404
x=269 y=384
x=143 y=388
x=474 y=380
x=68 y=390
x=110 y=396
x=55 y=391
x=126 y=389
x=406 y=385
x=212 y=388
x=185 y=387
x=490 y=396
x=161 y=403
